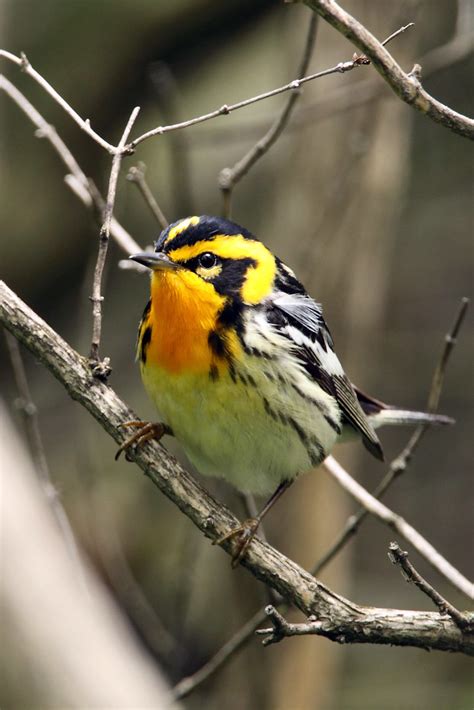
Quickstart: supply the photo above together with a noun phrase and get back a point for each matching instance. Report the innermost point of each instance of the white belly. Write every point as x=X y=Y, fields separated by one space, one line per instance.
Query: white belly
x=227 y=430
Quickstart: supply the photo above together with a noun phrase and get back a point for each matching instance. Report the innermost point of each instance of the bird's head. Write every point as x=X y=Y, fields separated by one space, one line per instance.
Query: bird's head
x=211 y=259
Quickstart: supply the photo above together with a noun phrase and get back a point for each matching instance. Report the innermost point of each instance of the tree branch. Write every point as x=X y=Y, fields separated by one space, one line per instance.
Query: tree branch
x=295 y=85
x=229 y=177
x=102 y=369
x=406 y=86
x=400 y=463
x=136 y=174
x=383 y=626
x=84 y=125
x=76 y=179
x=338 y=617
x=400 y=558
x=397 y=523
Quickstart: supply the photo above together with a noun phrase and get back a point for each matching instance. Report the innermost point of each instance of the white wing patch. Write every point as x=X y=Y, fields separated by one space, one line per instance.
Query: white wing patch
x=309 y=314
x=302 y=308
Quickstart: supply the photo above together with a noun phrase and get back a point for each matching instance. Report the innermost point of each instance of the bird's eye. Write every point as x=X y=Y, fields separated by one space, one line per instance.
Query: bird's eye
x=207 y=260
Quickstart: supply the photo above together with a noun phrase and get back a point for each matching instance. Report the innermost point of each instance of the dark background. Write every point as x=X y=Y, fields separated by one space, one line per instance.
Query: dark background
x=370 y=204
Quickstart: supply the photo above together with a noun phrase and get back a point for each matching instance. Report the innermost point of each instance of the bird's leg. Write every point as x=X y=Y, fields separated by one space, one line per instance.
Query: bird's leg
x=146 y=431
x=245 y=532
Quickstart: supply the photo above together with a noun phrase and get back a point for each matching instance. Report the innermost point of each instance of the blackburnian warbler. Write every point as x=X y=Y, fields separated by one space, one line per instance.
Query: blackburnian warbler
x=241 y=365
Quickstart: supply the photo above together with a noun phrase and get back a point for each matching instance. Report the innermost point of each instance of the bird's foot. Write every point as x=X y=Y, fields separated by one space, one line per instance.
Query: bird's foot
x=244 y=535
x=146 y=432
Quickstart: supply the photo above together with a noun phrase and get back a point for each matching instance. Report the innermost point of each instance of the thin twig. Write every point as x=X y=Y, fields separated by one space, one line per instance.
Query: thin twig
x=76 y=180
x=400 y=463
x=126 y=587
x=136 y=174
x=344 y=98
x=29 y=413
x=406 y=86
x=229 y=177
x=84 y=125
x=225 y=110
x=397 y=523
x=400 y=558
x=102 y=370
x=187 y=685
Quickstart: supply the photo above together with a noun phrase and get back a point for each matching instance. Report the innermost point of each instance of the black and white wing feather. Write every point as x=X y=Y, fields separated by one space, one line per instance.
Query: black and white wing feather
x=300 y=318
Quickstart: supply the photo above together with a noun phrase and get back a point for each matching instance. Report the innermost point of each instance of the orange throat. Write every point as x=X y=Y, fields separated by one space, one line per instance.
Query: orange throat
x=184 y=311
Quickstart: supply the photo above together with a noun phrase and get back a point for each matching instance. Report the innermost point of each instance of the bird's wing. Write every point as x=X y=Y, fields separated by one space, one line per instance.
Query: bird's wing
x=300 y=318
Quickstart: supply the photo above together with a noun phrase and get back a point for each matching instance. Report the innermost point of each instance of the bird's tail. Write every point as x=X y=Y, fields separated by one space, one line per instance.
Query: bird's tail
x=381 y=414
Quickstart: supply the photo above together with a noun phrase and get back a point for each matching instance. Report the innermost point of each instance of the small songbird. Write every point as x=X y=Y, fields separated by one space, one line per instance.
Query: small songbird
x=241 y=365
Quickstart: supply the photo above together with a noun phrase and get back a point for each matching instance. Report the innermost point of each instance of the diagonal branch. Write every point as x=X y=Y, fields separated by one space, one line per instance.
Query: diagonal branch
x=397 y=523
x=84 y=125
x=229 y=177
x=136 y=174
x=406 y=86
x=339 y=618
x=76 y=179
x=400 y=558
x=295 y=85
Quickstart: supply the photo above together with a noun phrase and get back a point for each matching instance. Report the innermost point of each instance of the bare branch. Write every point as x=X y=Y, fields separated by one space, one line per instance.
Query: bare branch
x=229 y=177
x=400 y=628
x=187 y=685
x=76 y=180
x=136 y=174
x=339 y=618
x=406 y=86
x=225 y=110
x=397 y=523
x=344 y=98
x=103 y=369
x=400 y=558
x=400 y=463
x=84 y=125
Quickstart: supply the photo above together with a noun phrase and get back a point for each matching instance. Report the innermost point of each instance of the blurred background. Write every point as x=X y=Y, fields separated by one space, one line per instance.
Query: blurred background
x=369 y=202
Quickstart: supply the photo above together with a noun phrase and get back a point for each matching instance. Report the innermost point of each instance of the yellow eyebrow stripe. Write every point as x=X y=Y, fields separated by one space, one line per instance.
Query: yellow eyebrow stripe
x=180 y=227
x=259 y=279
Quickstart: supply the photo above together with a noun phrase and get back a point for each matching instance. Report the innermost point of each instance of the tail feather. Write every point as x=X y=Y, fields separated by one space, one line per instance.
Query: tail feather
x=396 y=417
x=380 y=414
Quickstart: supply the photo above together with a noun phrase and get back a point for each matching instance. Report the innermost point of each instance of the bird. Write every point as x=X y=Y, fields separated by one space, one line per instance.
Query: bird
x=239 y=361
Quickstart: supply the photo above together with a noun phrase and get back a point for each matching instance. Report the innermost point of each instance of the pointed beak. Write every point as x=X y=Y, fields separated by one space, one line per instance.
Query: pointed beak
x=156 y=261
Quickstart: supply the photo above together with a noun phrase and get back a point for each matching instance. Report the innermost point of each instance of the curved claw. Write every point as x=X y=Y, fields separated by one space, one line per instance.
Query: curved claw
x=245 y=534
x=146 y=432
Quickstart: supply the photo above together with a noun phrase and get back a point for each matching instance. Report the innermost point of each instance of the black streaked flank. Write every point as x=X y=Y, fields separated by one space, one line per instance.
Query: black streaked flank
x=218 y=344
x=146 y=311
x=145 y=342
x=213 y=373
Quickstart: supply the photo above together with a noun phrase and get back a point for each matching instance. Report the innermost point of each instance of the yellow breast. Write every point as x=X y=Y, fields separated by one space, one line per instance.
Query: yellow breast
x=175 y=333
